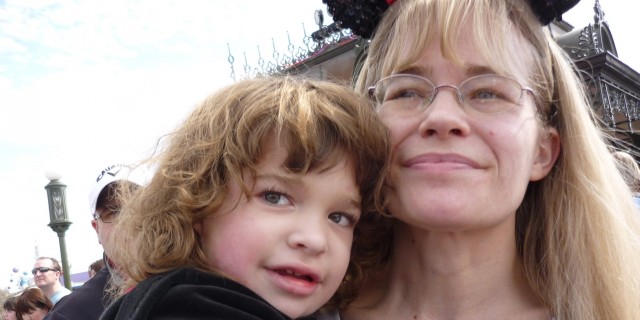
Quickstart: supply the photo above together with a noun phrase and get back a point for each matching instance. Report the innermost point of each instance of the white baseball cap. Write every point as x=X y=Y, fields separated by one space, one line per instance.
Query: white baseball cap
x=111 y=174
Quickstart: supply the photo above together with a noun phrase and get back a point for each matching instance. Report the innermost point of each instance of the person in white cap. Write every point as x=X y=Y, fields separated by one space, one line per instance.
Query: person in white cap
x=88 y=301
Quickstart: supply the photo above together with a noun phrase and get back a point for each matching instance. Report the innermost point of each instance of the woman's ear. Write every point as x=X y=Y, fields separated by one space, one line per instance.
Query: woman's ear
x=547 y=154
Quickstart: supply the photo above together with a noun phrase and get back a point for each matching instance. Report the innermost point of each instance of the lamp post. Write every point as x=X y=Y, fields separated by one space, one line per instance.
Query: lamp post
x=56 y=195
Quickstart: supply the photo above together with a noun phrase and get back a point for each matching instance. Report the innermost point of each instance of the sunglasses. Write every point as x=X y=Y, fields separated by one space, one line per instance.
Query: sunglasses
x=108 y=214
x=42 y=270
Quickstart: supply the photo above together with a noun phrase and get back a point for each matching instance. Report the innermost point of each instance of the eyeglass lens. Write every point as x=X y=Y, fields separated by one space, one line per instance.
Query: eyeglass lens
x=108 y=214
x=485 y=93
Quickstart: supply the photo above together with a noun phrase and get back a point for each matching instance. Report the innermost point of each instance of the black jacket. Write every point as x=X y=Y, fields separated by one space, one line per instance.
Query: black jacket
x=190 y=294
x=84 y=303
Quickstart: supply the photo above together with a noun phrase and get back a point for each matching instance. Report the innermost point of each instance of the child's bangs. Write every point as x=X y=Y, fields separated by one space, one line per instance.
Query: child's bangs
x=322 y=150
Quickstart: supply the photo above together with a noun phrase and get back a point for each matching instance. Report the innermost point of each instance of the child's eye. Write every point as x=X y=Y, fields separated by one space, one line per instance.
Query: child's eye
x=343 y=219
x=276 y=198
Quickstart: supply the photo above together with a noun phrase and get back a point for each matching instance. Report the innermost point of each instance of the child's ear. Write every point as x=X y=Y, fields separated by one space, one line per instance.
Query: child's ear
x=198 y=228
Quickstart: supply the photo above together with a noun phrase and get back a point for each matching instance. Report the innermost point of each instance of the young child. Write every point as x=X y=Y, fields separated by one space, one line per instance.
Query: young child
x=254 y=205
x=9 y=307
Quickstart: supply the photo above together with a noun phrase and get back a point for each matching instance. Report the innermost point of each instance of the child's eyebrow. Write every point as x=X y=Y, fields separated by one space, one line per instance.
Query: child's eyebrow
x=355 y=205
x=282 y=177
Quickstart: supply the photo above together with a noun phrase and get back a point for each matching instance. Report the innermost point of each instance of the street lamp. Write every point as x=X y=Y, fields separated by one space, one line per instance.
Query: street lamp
x=56 y=194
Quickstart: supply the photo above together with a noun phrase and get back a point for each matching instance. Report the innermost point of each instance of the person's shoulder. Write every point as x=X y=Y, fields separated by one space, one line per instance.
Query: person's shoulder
x=195 y=279
x=184 y=282
x=167 y=294
x=62 y=292
x=94 y=286
x=98 y=282
x=86 y=302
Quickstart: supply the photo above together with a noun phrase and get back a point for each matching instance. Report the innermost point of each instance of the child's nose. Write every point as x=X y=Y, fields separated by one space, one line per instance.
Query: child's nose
x=309 y=235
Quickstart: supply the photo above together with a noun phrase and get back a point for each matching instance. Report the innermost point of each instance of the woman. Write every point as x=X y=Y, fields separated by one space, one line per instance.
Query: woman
x=9 y=307
x=33 y=304
x=507 y=202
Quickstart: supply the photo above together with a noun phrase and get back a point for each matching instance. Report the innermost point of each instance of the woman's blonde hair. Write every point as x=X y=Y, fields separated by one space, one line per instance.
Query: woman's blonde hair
x=577 y=229
x=629 y=168
x=320 y=124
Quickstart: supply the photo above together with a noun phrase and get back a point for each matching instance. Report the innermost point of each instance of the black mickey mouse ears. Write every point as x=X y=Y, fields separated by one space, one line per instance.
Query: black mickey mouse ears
x=362 y=16
x=549 y=10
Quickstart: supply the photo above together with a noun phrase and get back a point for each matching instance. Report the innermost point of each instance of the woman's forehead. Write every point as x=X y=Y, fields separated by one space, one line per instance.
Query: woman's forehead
x=507 y=53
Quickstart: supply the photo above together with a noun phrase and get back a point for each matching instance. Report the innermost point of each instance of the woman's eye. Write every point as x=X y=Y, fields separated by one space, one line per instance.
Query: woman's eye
x=276 y=198
x=343 y=219
x=484 y=94
x=403 y=93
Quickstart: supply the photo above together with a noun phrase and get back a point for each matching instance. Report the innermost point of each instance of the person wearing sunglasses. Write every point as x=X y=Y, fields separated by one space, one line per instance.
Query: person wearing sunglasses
x=46 y=274
x=88 y=301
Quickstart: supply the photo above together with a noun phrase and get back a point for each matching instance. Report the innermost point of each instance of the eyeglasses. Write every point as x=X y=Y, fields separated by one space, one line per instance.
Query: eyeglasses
x=107 y=215
x=42 y=270
x=407 y=94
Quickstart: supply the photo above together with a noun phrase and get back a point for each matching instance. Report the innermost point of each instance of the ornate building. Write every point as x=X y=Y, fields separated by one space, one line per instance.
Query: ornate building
x=333 y=53
x=613 y=87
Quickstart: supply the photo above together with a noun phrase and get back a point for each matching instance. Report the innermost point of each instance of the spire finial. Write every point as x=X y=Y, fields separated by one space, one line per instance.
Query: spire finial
x=599 y=16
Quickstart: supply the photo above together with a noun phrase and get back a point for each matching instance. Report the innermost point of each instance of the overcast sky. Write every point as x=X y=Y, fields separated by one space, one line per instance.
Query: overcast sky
x=85 y=84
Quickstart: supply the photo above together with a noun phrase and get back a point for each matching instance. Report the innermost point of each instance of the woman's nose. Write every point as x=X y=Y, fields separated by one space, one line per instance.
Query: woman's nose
x=445 y=116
